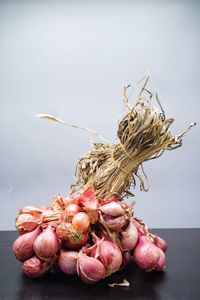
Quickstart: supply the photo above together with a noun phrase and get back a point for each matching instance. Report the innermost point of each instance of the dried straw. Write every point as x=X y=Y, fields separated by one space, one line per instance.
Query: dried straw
x=143 y=133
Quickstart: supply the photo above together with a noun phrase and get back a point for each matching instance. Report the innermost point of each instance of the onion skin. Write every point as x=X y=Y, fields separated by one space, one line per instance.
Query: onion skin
x=27 y=222
x=46 y=244
x=67 y=261
x=113 y=209
x=34 y=267
x=81 y=222
x=76 y=241
x=90 y=269
x=129 y=237
x=23 y=245
x=70 y=211
x=146 y=254
x=115 y=223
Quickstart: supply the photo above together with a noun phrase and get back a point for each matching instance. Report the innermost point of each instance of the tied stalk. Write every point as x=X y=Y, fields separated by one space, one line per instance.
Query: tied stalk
x=144 y=134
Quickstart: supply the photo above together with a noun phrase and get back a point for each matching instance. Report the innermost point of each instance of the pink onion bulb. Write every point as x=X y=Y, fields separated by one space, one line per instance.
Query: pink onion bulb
x=46 y=244
x=110 y=255
x=115 y=223
x=146 y=254
x=67 y=261
x=34 y=267
x=90 y=269
x=129 y=236
x=23 y=245
x=161 y=243
x=160 y=266
x=113 y=209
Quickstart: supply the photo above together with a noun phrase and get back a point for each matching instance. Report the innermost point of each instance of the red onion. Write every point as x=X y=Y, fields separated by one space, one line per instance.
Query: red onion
x=46 y=244
x=76 y=240
x=70 y=211
x=146 y=254
x=90 y=269
x=113 y=209
x=81 y=222
x=34 y=267
x=160 y=266
x=110 y=255
x=67 y=261
x=115 y=223
x=161 y=243
x=129 y=236
x=23 y=245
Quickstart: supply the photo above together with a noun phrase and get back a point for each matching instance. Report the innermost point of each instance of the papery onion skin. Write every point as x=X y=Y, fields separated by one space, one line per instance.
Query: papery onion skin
x=46 y=244
x=27 y=222
x=76 y=240
x=23 y=245
x=34 y=267
x=67 y=261
x=146 y=254
x=90 y=269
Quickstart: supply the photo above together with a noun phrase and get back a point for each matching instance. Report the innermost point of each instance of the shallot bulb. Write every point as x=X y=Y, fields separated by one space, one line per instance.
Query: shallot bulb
x=113 y=209
x=67 y=261
x=23 y=245
x=81 y=222
x=34 y=267
x=161 y=243
x=110 y=255
x=76 y=240
x=129 y=236
x=46 y=244
x=146 y=254
x=71 y=238
x=160 y=266
x=90 y=269
x=70 y=211
x=115 y=223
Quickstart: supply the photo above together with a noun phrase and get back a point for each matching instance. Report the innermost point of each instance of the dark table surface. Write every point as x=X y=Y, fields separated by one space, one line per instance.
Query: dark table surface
x=180 y=280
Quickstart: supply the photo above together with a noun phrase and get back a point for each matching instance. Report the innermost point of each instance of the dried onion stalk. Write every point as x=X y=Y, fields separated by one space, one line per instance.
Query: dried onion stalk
x=143 y=133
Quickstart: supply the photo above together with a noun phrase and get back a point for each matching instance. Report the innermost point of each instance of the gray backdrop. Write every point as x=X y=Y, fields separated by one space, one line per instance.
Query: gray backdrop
x=71 y=59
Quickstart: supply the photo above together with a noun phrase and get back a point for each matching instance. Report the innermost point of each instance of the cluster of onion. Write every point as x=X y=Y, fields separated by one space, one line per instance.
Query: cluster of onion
x=85 y=236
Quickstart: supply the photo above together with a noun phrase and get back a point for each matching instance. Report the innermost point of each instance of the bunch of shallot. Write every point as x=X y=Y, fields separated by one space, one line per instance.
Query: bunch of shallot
x=86 y=236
